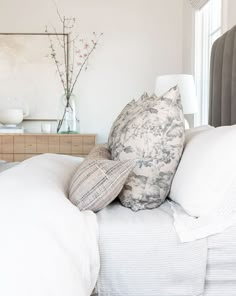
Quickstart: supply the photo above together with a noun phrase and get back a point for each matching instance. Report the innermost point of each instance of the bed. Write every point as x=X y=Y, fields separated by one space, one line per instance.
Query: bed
x=140 y=252
x=139 y=257
x=48 y=247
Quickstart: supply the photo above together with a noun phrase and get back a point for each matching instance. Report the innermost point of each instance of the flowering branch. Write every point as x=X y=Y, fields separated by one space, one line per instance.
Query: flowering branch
x=79 y=58
x=84 y=63
x=75 y=56
x=53 y=56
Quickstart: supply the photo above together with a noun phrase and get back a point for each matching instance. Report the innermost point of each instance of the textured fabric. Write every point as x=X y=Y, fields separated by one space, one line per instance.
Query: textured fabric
x=152 y=132
x=98 y=182
x=100 y=151
x=118 y=124
x=141 y=255
x=222 y=107
x=221 y=264
x=204 y=184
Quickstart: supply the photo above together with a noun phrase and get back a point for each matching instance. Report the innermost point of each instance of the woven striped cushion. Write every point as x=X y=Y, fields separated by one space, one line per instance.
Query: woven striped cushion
x=97 y=183
x=100 y=151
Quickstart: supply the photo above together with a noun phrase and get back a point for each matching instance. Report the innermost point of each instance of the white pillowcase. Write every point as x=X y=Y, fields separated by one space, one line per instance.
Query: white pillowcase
x=205 y=183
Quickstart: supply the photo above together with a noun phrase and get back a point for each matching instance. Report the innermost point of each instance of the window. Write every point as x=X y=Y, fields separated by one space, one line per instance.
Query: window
x=208 y=27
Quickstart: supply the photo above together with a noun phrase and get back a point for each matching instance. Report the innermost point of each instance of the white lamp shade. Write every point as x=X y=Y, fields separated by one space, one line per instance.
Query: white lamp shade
x=186 y=86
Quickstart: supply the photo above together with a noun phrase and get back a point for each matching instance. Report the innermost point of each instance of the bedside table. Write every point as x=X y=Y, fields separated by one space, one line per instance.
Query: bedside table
x=18 y=147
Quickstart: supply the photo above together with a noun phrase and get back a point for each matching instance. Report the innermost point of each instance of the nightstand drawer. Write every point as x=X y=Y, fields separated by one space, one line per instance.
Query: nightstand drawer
x=30 y=144
x=7 y=144
x=65 y=145
x=20 y=147
x=54 y=144
x=7 y=157
x=77 y=145
x=19 y=144
x=42 y=144
x=88 y=144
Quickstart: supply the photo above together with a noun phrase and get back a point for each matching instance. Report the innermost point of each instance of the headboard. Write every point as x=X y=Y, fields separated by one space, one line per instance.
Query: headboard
x=222 y=101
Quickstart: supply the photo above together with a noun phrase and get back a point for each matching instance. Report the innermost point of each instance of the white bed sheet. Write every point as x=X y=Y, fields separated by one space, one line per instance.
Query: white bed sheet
x=141 y=255
x=221 y=264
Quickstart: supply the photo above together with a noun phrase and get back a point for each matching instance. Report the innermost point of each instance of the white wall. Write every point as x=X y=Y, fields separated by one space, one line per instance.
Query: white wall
x=188 y=37
x=230 y=13
x=142 y=38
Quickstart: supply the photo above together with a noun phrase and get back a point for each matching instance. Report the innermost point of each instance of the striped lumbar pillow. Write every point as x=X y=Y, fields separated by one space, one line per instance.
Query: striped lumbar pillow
x=100 y=151
x=97 y=183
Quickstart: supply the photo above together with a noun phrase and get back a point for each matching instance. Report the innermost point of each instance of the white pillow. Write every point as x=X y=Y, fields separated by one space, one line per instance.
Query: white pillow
x=205 y=182
x=192 y=132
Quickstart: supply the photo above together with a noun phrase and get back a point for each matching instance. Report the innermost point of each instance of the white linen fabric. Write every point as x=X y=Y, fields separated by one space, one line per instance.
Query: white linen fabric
x=192 y=132
x=221 y=265
x=141 y=254
x=204 y=184
x=47 y=246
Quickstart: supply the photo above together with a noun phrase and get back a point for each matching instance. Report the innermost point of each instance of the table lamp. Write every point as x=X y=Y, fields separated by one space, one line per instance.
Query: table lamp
x=187 y=91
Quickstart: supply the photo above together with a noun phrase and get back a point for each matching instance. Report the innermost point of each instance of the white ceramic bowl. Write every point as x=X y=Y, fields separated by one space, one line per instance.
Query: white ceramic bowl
x=11 y=117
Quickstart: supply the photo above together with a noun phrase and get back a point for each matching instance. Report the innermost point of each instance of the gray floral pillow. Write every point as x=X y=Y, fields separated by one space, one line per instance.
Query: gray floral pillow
x=119 y=125
x=151 y=131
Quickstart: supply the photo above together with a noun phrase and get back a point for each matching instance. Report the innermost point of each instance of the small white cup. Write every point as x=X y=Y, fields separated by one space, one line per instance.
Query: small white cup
x=46 y=128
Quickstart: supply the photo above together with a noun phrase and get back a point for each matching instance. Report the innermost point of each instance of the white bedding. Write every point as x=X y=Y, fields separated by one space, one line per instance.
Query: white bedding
x=221 y=264
x=47 y=246
x=204 y=184
x=141 y=255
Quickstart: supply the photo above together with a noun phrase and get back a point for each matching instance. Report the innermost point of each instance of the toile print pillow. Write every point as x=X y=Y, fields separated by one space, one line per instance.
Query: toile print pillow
x=153 y=134
x=119 y=124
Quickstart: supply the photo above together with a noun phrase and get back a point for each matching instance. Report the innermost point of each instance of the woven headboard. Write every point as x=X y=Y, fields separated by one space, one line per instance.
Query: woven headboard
x=222 y=104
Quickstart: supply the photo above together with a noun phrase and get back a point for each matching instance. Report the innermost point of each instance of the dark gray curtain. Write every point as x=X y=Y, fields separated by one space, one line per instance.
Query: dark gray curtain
x=222 y=103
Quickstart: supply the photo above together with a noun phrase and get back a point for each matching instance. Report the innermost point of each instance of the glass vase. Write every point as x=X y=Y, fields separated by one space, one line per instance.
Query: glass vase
x=68 y=122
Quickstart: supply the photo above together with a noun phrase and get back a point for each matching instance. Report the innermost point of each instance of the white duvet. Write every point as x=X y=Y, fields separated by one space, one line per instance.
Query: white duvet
x=47 y=246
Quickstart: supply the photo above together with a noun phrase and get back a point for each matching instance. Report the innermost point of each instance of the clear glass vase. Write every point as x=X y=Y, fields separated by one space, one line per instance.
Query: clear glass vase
x=68 y=122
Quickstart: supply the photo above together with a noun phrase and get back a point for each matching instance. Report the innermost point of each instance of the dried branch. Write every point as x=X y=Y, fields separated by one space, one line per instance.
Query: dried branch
x=53 y=55
x=71 y=61
x=84 y=63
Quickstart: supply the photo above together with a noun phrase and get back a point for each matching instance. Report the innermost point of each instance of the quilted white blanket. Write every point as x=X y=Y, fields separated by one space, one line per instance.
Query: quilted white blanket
x=47 y=247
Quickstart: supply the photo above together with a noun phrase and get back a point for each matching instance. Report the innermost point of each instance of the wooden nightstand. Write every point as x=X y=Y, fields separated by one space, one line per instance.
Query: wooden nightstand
x=18 y=147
